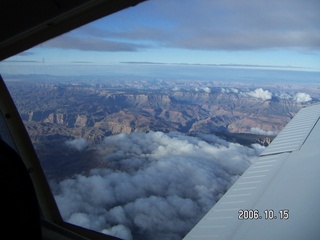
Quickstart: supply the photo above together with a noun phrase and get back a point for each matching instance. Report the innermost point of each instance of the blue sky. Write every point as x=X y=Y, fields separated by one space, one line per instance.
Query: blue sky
x=248 y=33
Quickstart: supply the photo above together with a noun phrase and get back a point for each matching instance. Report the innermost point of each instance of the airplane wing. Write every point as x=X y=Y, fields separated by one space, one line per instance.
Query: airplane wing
x=278 y=196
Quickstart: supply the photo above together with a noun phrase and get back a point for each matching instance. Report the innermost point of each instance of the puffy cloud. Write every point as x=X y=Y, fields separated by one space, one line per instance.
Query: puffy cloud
x=234 y=90
x=205 y=89
x=77 y=144
x=255 y=130
x=284 y=96
x=175 y=89
x=302 y=97
x=229 y=90
x=152 y=185
x=299 y=97
x=119 y=231
x=260 y=93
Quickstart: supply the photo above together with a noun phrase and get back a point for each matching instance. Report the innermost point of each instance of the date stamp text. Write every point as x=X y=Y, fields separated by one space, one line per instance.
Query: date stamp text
x=268 y=214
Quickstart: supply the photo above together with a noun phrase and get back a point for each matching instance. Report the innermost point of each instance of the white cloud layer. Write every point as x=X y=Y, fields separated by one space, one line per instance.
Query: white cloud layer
x=152 y=185
x=206 y=25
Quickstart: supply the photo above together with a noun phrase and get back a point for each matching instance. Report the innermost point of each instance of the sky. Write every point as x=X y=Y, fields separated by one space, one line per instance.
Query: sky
x=231 y=33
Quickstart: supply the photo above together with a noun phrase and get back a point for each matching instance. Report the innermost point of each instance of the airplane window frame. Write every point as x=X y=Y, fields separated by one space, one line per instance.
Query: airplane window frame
x=53 y=224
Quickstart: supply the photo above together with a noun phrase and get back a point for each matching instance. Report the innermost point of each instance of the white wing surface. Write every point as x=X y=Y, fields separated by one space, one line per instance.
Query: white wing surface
x=278 y=196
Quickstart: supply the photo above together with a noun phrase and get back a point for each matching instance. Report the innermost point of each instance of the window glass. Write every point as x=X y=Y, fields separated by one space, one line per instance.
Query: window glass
x=142 y=120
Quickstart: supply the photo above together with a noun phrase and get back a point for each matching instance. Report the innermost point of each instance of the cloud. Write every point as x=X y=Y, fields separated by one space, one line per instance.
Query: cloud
x=299 y=97
x=255 y=130
x=284 y=96
x=85 y=43
x=229 y=90
x=260 y=93
x=204 y=89
x=231 y=25
x=119 y=231
x=26 y=53
x=152 y=185
x=302 y=97
x=206 y=25
x=77 y=144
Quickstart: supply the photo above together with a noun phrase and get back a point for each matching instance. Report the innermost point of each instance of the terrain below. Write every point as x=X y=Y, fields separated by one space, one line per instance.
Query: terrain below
x=69 y=112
